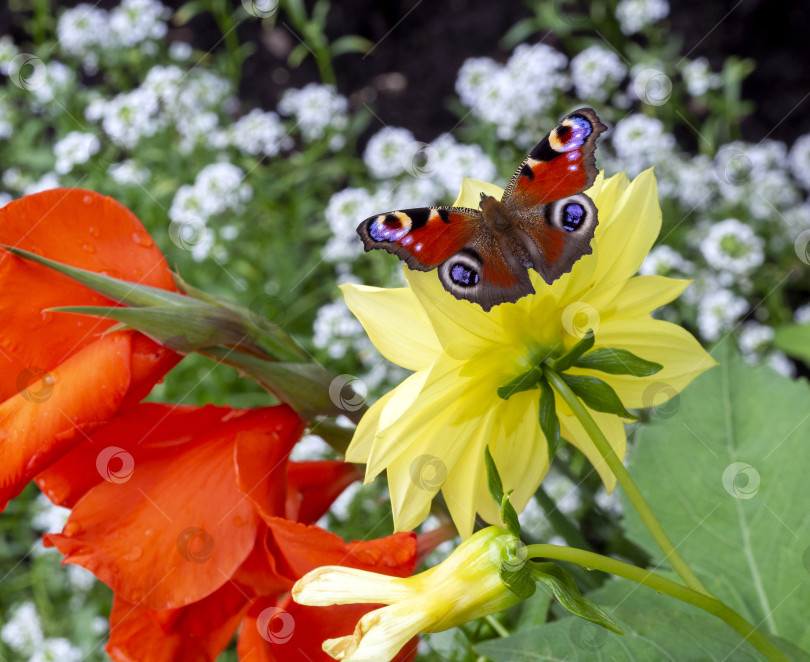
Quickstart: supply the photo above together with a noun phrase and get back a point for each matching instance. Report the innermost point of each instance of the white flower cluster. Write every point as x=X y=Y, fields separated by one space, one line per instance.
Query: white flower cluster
x=666 y=261
x=800 y=161
x=596 y=73
x=75 y=148
x=318 y=111
x=129 y=173
x=89 y=33
x=640 y=142
x=8 y=51
x=51 y=85
x=755 y=340
x=258 y=133
x=511 y=96
x=635 y=15
x=393 y=152
x=167 y=96
x=218 y=188
x=344 y=212
x=336 y=330
x=698 y=76
x=718 y=312
x=732 y=246
x=22 y=633
x=6 y=127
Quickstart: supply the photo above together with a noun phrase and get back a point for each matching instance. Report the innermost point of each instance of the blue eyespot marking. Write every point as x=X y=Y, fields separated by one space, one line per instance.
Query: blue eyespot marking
x=573 y=215
x=389 y=227
x=462 y=275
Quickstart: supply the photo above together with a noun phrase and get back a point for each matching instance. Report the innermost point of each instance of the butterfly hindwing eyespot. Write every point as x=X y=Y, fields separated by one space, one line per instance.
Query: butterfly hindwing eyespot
x=574 y=215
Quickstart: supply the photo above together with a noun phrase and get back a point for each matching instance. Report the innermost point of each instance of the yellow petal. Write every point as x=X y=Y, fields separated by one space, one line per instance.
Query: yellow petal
x=670 y=345
x=633 y=224
x=613 y=429
x=395 y=323
x=520 y=453
x=338 y=585
x=462 y=327
x=643 y=294
x=471 y=190
x=359 y=449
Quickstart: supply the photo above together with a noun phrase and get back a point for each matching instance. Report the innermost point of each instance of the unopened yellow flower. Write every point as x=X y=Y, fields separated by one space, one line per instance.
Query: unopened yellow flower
x=431 y=430
x=465 y=586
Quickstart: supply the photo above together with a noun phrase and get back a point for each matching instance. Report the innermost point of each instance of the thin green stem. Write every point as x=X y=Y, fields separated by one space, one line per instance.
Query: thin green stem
x=493 y=623
x=662 y=585
x=625 y=480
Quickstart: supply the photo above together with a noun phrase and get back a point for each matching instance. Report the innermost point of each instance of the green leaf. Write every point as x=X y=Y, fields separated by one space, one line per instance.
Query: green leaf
x=568 y=359
x=525 y=382
x=495 y=485
x=562 y=585
x=617 y=361
x=794 y=339
x=597 y=394
x=519 y=580
x=549 y=422
x=727 y=476
x=658 y=627
x=350 y=44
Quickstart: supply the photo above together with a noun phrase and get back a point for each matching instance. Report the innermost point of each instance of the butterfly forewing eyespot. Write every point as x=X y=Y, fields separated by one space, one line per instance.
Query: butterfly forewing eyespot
x=461 y=272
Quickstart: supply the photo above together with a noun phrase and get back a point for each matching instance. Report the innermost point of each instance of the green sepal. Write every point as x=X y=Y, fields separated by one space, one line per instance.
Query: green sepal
x=617 y=361
x=495 y=485
x=122 y=291
x=183 y=330
x=564 y=362
x=597 y=395
x=564 y=588
x=515 y=570
x=549 y=421
x=525 y=382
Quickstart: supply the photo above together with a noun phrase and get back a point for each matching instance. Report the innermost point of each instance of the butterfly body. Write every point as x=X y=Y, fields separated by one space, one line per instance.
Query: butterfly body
x=544 y=222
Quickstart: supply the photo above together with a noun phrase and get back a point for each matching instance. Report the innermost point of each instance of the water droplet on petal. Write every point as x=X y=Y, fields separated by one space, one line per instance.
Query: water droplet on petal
x=89 y=248
x=46 y=317
x=142 y=239
x=133 y=554
x=88 y=200
x=70 y=529
x=95 y=231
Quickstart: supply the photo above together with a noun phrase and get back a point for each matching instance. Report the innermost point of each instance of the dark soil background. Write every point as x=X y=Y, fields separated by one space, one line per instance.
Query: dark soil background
x=420 y=45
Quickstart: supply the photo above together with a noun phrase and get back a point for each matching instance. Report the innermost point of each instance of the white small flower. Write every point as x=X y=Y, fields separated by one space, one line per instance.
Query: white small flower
x=718 y=312
x=663 y=261
x=23 y=631
x=6 y=125
x=733 y=246
x=258 y=133
x=132 y=115
x=771 y=192
x=596 y=72
x=135 y=21
x=5 y=198
x=640 y=142
x=472 y=78
x=316 y=108
x=221 y=187
x=343 y=213
x=698 y=77
x=195 y=129
x=50 y=518
x=754 y=339
x=180 y=51
x=800 y=160
x=129 y=173
x=456 y=161
x=695 y=185
x=164 y=82
x=635 y=15
x=81 y=29
x=335 y=329
x=75 y=148
x=45 y=183
x=384 y=151
x=802 y=314
x=56 y=84
x=80 y=578
x=781 y=363
x=311 y=447
x=8 y=51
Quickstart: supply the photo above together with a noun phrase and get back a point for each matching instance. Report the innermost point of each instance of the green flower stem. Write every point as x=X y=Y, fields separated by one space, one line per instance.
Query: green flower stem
x=493 y=623
x=628 y=484
x=662 y=585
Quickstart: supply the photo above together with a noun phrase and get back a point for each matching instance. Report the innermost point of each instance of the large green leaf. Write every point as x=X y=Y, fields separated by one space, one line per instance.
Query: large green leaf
x=728 y=475
x=658 y=628
x=794 y=339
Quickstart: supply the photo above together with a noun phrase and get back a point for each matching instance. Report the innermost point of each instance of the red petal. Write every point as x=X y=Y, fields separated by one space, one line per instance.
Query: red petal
x=142 y=431
x=179 y=528
x=313 y=486
x=259 y=572
x=261 y=462
x=198 y=632
x=45 y=421
x=301 y=548
x=79 y=228
x=150 y=362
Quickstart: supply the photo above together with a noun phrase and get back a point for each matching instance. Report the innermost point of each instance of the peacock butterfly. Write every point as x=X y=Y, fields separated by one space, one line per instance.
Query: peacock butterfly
x=543 y=221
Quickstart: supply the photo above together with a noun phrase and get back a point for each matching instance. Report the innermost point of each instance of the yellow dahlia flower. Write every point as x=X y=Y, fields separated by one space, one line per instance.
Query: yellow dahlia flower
x=431 y=430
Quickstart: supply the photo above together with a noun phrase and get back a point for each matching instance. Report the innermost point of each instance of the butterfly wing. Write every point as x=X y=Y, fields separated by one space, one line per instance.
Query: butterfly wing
x=556 y=220
x=471 y=261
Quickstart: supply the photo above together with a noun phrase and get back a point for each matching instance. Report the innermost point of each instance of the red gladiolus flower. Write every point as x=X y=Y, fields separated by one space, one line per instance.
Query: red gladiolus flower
x=190 y=524
x=60 y=376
